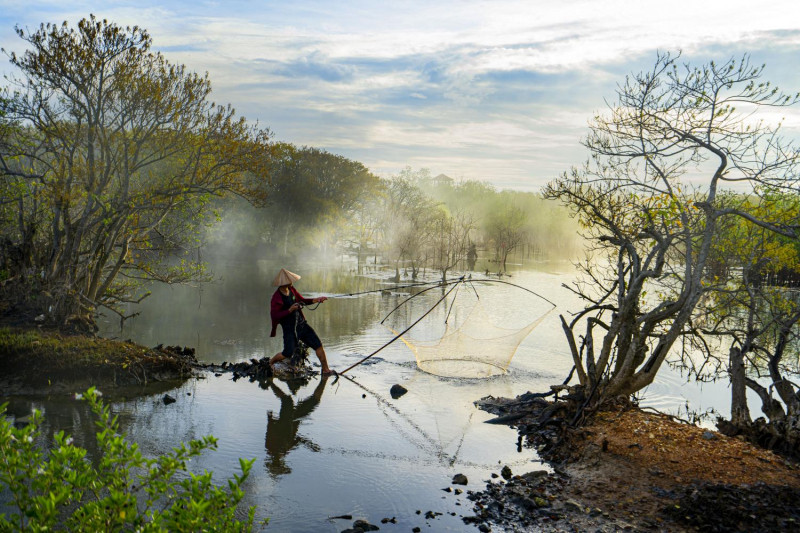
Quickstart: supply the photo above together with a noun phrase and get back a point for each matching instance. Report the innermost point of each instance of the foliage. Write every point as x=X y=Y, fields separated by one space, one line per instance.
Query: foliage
x=109 y=157
x=117 y=491
x=754 y=309
x=650 y=201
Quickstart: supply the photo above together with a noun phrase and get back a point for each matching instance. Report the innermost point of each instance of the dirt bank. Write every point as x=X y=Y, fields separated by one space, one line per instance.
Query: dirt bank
x=633 y=470
x=36 y=362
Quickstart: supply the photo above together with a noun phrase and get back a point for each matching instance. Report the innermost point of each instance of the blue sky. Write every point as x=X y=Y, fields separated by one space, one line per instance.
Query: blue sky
x=498 y=90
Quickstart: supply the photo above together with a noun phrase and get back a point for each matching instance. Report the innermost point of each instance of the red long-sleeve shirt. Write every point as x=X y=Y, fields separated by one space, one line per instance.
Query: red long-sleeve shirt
x=278 y=311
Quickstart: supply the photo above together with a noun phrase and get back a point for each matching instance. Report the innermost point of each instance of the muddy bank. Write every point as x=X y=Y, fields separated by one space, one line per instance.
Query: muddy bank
x=628 y=469
x=35 y=362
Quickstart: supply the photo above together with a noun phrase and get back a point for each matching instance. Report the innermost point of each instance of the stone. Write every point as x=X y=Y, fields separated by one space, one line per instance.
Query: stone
x=506 y=473
x=707 y=435
x=397 y=391
x=363 y=525
x=460 y=479
x=167 y=399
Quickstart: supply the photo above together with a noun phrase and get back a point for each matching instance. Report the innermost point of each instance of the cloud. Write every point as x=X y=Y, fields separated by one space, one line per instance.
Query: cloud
x=499 y=90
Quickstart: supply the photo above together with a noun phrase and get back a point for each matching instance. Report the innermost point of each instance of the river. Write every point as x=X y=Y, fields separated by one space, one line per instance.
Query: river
x=330 y=447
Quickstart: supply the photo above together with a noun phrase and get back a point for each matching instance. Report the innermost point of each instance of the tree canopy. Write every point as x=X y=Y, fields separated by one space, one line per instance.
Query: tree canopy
x=109 y=154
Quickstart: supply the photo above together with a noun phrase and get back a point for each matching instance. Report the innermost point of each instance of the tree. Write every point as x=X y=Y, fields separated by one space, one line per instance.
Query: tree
x=506 y=228
x=110 y=156
x=756 y=313
x=449 y=239
x=407 y=224
x=312 y=190
x=649 y=202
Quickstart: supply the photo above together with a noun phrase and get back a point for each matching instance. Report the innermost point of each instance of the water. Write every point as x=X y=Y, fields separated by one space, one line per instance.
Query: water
x=325 y=448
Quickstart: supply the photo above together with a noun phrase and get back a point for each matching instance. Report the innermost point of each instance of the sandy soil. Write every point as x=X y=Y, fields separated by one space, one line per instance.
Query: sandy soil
x=633 y=470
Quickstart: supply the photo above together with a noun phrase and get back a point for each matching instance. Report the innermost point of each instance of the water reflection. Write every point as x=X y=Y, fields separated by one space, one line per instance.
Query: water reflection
x=282 y=432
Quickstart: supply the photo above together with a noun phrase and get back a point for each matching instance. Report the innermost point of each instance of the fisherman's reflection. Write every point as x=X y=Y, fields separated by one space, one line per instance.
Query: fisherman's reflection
x=282 y=433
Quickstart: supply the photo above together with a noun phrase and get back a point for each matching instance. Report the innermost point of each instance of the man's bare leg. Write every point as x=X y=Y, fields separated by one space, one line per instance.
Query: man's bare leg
x=323 y=360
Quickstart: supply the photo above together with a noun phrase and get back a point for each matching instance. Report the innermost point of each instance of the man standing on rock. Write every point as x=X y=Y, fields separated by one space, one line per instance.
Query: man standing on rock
x=285 y=309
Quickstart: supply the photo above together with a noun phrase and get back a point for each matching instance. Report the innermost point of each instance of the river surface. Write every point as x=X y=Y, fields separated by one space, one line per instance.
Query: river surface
x=328 y=447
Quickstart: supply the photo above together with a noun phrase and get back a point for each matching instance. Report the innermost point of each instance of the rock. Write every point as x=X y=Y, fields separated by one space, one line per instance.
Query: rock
x=572 y=505
x=506 y=473
x=363 y=525
x=458 y=491
x=167 y=399
x=536 y=474
x=707 y=435
x=448 y=489
x=495 y=476
x=459 y=479
x=397 y=391
x=484 y=528
x=416 y=530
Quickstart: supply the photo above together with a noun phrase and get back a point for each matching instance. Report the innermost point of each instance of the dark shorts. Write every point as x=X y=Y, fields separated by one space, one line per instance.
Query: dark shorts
x=305 y=333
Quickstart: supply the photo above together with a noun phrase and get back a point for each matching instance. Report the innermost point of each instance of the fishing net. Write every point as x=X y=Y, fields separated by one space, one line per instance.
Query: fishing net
x=469 y=335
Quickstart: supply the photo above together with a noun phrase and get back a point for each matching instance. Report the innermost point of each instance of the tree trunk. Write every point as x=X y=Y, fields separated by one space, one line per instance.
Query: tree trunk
x=740 y=414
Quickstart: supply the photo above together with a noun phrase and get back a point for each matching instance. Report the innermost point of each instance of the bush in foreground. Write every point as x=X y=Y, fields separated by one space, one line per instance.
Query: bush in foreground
x=118 y=490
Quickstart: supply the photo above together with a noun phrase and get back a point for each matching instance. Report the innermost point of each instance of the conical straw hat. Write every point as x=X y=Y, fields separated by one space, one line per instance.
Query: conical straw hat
x=285 y=277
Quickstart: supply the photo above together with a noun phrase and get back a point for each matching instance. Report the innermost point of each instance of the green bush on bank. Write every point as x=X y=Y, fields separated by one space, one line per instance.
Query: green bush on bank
x=119 y=490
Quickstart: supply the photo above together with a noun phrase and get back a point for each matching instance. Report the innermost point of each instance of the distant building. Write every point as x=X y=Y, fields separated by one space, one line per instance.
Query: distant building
x=442 y=179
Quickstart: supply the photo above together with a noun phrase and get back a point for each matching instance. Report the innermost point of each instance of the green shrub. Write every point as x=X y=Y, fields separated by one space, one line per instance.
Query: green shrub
x=118 y=490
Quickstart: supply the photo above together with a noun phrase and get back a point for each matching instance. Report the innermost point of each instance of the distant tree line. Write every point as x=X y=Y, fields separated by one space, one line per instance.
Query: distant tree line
x=333 y=206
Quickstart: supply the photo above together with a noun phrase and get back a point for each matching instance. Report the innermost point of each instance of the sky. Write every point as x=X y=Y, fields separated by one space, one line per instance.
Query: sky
x=500 y=91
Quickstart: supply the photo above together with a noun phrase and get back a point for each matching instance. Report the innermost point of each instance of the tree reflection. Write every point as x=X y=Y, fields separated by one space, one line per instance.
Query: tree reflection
x=282 y=432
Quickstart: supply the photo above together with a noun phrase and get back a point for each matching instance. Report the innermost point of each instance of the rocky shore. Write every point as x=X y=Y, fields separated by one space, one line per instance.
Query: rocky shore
x=628 y=469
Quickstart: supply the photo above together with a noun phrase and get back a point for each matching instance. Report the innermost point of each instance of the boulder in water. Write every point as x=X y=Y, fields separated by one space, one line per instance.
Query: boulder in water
x=397 y=390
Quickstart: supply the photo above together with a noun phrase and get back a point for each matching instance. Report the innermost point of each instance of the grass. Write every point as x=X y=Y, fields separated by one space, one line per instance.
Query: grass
x=39 y=357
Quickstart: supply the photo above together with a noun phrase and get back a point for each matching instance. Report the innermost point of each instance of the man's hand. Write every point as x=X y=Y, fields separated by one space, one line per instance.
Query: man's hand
x=294 y=308
x=321 y=299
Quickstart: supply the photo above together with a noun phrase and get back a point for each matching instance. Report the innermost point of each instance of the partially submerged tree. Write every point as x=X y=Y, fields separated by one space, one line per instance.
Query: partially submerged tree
x=507 y=230
x=649 y=200
x=755 y=313
x=450 y=239
x=109 y=155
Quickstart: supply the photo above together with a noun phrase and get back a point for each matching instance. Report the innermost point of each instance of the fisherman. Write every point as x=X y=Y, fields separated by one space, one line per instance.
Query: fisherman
x=285 y=309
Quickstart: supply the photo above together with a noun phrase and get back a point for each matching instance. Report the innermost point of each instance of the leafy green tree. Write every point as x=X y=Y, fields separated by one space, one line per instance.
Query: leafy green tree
x=110 y=155
x=754 y=310
x=311 y=190
x=119 y=490
x=649 y=202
